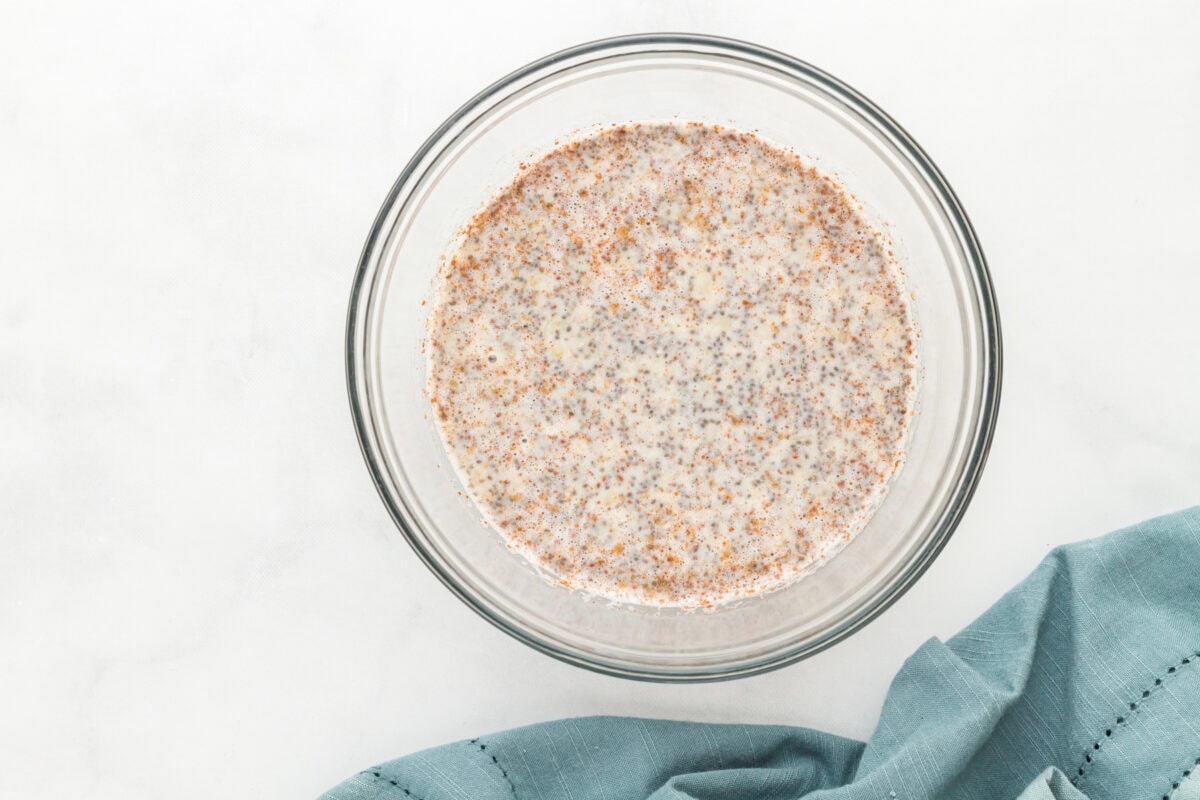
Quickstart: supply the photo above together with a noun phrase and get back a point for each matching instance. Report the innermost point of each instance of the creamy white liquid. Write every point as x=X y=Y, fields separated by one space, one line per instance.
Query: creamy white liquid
x=673 y=364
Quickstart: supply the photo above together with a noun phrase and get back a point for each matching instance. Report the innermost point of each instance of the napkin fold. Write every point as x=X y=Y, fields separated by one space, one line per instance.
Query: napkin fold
x=1082 y=683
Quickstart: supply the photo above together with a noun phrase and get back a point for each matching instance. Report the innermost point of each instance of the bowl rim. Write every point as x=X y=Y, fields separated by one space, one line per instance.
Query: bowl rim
x=984 y=298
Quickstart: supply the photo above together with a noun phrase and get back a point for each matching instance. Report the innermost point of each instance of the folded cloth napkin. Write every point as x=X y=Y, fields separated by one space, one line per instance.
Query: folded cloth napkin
x=1082 y=682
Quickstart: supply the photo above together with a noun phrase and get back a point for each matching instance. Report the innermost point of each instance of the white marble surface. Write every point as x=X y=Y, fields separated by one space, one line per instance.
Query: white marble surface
x=200 y=593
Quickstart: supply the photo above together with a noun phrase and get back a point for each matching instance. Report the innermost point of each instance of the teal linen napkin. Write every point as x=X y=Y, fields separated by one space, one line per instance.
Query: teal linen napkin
x=1082 y=682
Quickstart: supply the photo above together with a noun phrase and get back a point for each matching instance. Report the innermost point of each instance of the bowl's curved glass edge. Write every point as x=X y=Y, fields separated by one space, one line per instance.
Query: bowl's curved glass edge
x=991 y=375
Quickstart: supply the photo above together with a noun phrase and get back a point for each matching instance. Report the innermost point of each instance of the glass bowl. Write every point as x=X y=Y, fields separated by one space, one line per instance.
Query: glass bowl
x=656 y=77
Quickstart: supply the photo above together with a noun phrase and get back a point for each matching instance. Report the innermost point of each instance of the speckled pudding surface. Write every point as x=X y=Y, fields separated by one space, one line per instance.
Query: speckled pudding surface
x=673 y=364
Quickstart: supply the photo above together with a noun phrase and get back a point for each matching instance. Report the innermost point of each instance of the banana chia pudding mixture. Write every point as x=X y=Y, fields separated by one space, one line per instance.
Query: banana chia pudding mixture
x=673 y=364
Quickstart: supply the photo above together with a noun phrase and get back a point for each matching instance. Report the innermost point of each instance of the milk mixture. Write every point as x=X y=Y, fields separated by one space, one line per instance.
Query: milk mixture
x=673 y=364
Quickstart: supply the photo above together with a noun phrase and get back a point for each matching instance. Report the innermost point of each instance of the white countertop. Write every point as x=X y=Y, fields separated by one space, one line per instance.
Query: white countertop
x=201 y=594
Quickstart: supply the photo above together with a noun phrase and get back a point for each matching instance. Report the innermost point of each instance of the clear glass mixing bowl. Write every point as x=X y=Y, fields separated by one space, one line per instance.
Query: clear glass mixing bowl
x=656 y=77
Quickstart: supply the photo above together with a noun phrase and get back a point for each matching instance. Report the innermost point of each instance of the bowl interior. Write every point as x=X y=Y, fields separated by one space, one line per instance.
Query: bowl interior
x=477 y=152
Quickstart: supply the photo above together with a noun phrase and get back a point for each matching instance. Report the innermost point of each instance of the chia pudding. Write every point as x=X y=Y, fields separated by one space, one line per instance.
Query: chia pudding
x=673 y=364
